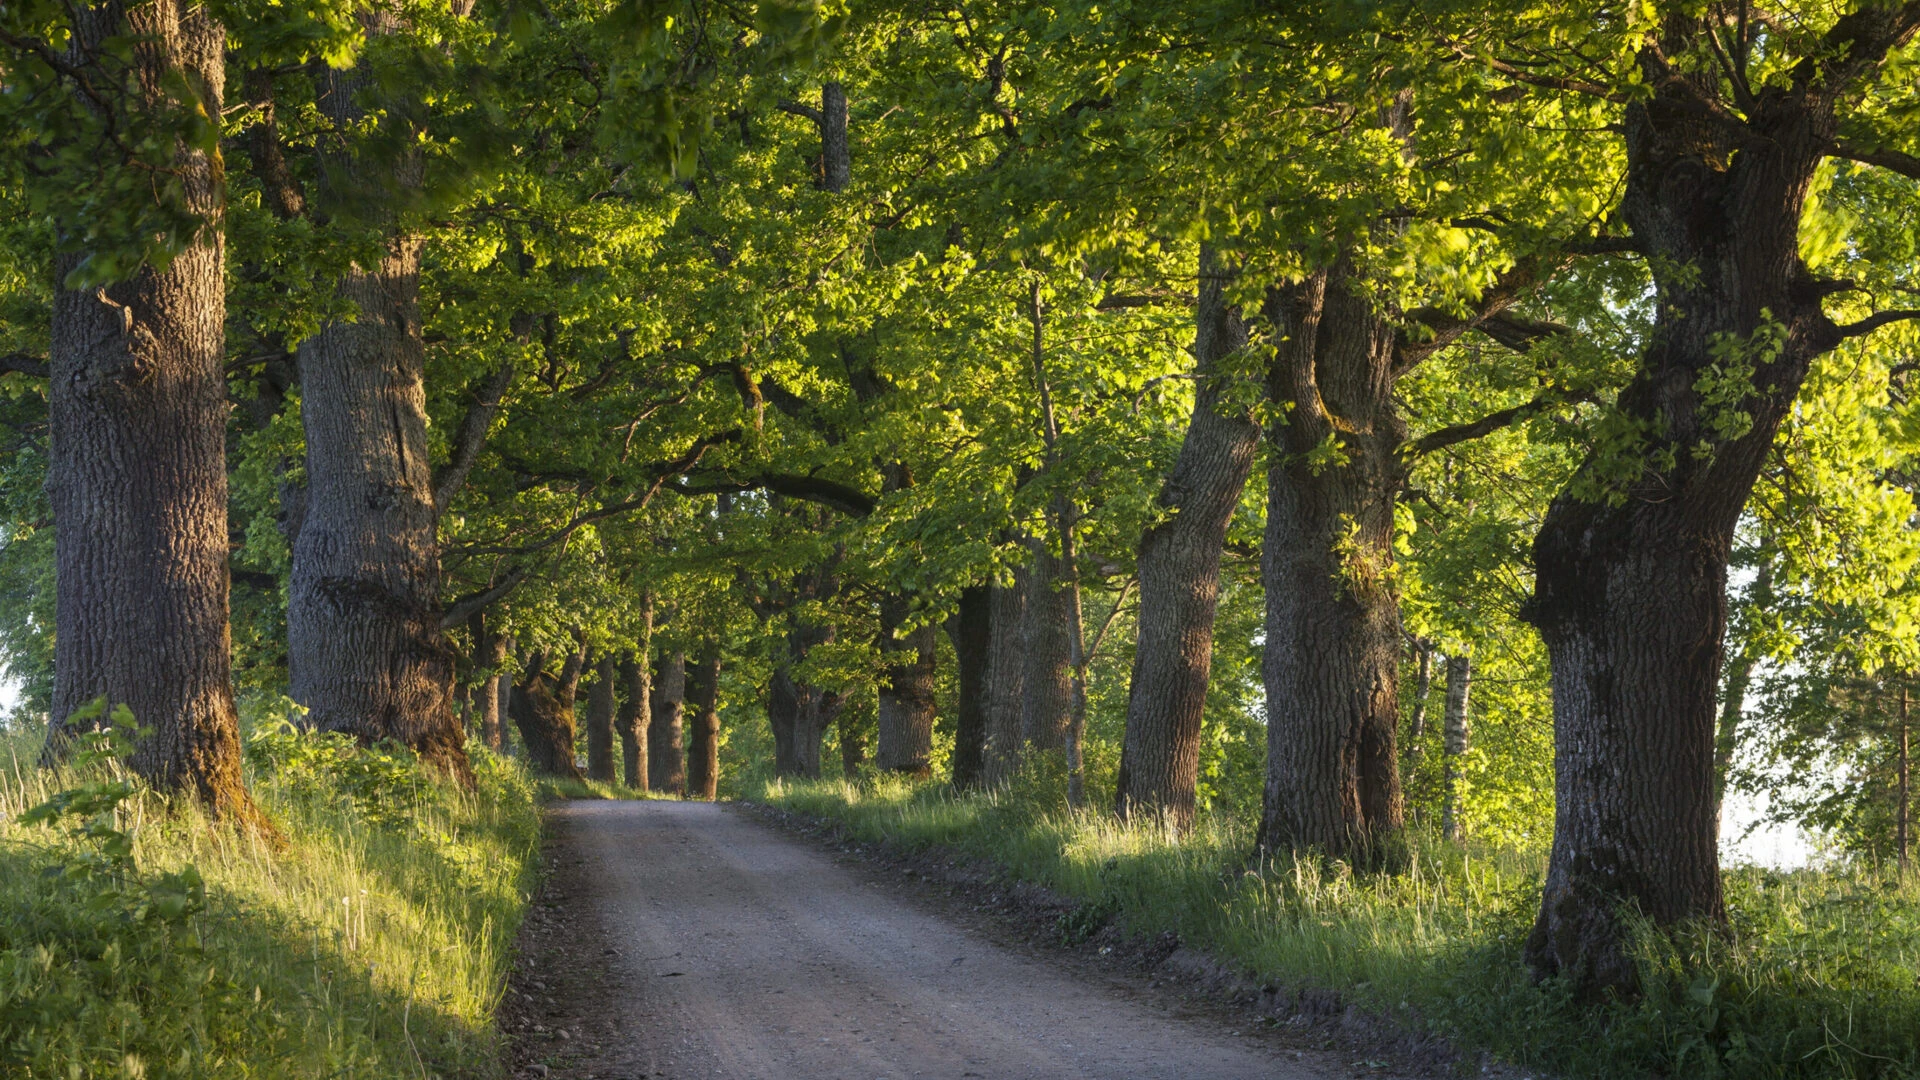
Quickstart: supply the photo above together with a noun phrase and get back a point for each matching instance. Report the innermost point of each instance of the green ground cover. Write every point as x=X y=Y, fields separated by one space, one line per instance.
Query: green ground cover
x=371 y=941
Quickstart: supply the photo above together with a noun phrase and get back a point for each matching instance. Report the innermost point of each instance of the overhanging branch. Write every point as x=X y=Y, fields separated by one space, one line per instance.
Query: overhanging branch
x=1487 y=425
x=24 y=364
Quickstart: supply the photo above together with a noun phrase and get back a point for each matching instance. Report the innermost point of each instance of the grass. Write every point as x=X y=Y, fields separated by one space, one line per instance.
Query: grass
x=1820 y=977
x=374 y=944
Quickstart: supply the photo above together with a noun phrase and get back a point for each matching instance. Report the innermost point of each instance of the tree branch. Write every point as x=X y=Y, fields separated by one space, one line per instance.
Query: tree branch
x=1487 y=425
x=1519 y=333
x=471 y=436
x=24 y=364
x=807 y=112
x=845 y=498
x=1444 y=328
x=1874 y=322
x=468 y=606
x=1893 y=160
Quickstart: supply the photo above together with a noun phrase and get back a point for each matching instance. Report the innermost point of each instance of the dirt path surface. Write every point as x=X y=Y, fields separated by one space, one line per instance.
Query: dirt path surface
x=684 y=940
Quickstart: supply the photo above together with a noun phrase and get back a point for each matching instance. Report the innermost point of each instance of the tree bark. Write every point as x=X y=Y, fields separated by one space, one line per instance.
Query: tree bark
x=666 y=752
x=853 y=746
x=972 y=632
x=637 y=680
x=1631 y=560
x=906 y=692
x=1046 y=685
x=600 y=706
x=1903 y=809
x=1422 y=689
x=490 y=653
x=543 y=711
x=1458 y=731
x=703 y=701
x=365 y=650
x=1332 y=659
x=1180 y=575
x=137 y=472
x=1006 y=675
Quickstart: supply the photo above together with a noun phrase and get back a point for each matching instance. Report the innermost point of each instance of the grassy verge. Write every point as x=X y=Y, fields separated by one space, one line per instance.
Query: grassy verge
x=136 y=943
x=1821 y=977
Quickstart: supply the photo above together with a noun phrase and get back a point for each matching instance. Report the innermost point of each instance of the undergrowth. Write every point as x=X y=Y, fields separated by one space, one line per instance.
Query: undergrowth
x=142 y=941
x=1820 y=976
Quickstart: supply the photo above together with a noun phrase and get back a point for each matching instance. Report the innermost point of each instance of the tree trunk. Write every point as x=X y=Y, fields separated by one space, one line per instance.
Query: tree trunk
x=365 y=650
x=1180 y=576
x=635 y=711
x=1064 y=515
x=906 y=692
x=798 y=711
x=1006 y=676
x=1459 y=683
x=703 y=701
x=543 y=711
x=1332 y=659
x=490 y=653
x=137 y=471
x=972 y=632
x=1903 y=819
x=506 y=713
x=666 y=753
x=1630 y=565
x=600 y=705
x=1422 y=689
x=853 y=747
x=1046 y=685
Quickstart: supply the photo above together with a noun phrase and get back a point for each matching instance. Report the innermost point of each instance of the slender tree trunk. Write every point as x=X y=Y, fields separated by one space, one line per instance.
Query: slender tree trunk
x=1903 y=821
x=1332 y=656
x=1459 y=683
x=1180 y=575
x=506 y=713
x=1076 y=657
x=543 y=710
x=366 y=652
x=906 y=692
x=972 y=632
x=600 y=706
x=1630 y=565
x=635 y=712
x=1422 y=689
x=1739 y=681
x=703 y=707
x=137 y=471
x=1006 y=675
x=489 y=653
x=666 y=753
x=853 y=747
x=1046 y=685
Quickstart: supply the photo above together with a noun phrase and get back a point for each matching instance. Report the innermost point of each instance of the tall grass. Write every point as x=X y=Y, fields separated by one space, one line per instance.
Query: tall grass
x=373 y=944
x=1819 y=978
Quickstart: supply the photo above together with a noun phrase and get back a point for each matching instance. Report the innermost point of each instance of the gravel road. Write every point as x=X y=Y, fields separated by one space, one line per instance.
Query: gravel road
x=734 y=951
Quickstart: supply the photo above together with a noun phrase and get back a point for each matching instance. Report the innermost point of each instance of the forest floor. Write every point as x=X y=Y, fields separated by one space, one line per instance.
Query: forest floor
x=682 y=940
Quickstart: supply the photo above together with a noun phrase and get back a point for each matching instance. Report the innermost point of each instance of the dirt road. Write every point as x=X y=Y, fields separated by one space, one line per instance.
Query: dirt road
x=688 y=940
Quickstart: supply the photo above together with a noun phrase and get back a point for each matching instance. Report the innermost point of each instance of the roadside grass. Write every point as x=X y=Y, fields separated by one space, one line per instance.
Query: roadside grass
x=373 y=944
x=554 y=787
x=1820 y=977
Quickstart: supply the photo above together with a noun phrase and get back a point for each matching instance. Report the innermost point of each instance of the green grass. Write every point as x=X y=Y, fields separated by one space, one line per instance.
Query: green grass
x=1820 y=978
x=374 y=944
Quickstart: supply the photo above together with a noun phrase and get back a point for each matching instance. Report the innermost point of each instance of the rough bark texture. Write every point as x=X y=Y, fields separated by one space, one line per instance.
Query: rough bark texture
x=666 y=750
x=1046 y=688
x=798 y=711
x=1180 y=576
x=490 y=654
x=1332 y=655
x=1631 y=560
x=836 y=159
x=906 y=692
x=703 y=718
x=366 y=653
x=1458 y=733
x=1006 y=676
x=137 y=477
x=636 y=709
x=972 y=632
x=543 y=711
x=600 y=704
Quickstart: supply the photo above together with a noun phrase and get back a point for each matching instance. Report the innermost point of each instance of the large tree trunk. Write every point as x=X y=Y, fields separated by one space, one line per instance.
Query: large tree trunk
x=490 y=654
x=703 y=708
x=1046 y=690
x=635 y=711
x=1458 y=731
x=366 y=653
x=1006 y=676
x=972 y=632
x=799 y=711
x=1631 y=561
x=1180 y=576
x=906 y=692
x=543 y=710
x=137 y=472
x=666 y=749
x=1332 y=657
x=600 y=705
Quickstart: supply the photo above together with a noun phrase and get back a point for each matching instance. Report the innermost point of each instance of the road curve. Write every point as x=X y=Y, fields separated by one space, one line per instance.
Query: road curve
x=734 y=951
